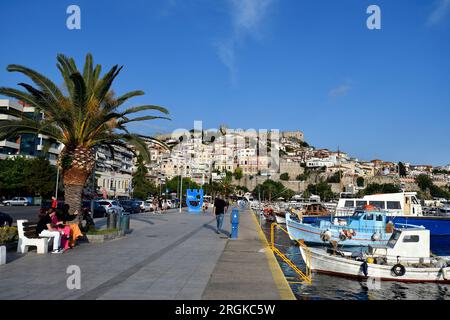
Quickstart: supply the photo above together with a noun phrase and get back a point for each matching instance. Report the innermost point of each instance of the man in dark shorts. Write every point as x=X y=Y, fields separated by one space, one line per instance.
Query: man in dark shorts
x=220 y=208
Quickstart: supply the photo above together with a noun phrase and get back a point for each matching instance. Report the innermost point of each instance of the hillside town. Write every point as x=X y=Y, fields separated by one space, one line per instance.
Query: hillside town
x=252 y=157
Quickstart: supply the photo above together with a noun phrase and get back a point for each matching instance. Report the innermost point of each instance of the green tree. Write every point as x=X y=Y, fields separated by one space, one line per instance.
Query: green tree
x=424 y=182
x=238 y=173
x=321 y=189
x=27 y=177
x=173 y=185
x=401 y=169
x=335 y=178
x=270 y=190
x=142 y=187
x=375 y=188
x=360 y=182
x=12 y=177
x=82 y=116
x=40 y=177
x=284 y=176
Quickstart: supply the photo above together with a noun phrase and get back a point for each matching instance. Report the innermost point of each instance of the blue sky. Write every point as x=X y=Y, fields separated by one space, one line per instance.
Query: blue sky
x=266 y=64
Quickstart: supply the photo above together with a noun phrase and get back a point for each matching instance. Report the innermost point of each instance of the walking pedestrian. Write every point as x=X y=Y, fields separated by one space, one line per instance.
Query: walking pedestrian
x=160 y=206
x=220 y=208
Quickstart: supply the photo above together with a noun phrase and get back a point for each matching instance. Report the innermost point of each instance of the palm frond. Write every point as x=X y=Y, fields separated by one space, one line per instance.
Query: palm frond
x=144 y=118
x=45 y=84
x=145 y=108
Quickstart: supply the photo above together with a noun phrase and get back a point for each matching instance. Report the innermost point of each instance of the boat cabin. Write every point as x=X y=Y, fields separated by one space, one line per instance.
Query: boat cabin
x=395 y=204
x=369 y=220
x=407 y=245
x=315 y=209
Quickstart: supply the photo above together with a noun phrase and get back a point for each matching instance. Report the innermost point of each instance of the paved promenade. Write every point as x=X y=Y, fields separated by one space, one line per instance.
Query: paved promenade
x=170 y=256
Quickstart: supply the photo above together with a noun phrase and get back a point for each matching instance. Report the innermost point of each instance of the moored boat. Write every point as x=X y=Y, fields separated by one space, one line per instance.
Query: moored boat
x=280 y=217
x=364 y=227
x=406 y=258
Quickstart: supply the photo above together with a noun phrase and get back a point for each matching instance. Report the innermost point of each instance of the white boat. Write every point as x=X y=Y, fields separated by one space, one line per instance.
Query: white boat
x=280 y=219
x=395 y=204
x=405 y=258
x=444 y=211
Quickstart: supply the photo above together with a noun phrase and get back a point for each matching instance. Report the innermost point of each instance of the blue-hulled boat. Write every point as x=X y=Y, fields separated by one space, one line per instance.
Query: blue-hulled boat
x=364 y=227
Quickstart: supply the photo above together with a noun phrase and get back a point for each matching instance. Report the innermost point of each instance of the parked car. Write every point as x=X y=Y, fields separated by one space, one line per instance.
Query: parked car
x=16 y=201
x=145 y=207
x=168 y=204
x=111 y=206
x=131 y=206
x=99 y=210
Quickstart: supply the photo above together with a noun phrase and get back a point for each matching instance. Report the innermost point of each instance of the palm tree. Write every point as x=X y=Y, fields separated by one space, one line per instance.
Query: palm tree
x=82 y=116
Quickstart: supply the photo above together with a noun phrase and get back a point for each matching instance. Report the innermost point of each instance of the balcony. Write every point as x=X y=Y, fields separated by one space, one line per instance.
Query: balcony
x=9 y=144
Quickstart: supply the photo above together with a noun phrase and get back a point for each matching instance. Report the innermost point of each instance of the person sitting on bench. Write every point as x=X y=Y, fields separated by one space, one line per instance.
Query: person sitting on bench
x=45 y=228
x=5 y=219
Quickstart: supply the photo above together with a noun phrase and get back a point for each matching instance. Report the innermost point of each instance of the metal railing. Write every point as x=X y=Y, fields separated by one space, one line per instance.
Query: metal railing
x=305 y=276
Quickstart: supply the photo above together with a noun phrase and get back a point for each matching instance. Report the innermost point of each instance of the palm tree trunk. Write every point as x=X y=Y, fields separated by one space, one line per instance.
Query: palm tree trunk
x=75 y=177
x=72 y=195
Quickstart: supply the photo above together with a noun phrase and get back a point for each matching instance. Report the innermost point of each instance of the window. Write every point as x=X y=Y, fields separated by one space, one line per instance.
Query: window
x=378 y=204
x=349 y=204
x=393 y=240
x=368 y=216
x=360 y=203
x=411 y=238
x=393 y=205
x=379 y=217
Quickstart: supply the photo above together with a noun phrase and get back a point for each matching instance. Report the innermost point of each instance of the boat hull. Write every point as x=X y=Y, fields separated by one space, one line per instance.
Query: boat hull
x=438 y=226
x=312 y=234
x=322 y=262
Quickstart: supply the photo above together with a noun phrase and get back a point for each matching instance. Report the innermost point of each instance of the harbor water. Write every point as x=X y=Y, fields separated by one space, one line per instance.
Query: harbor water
x=339 y=288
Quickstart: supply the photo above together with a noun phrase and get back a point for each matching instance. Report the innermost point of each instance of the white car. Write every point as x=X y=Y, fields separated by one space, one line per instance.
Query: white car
x=111 y=206
x=16 y=201
x=168 y=204
x=145 y=206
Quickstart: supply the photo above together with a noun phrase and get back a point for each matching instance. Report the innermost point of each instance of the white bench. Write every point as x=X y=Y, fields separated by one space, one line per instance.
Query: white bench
x=29 y=238
x=2 y=255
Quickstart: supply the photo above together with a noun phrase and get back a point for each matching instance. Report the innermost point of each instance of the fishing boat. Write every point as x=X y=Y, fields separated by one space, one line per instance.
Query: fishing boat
x=366 y=226
x=406 y=258
x=267 y=214
x=395 y=204
x=280 y=217
x=315 y=209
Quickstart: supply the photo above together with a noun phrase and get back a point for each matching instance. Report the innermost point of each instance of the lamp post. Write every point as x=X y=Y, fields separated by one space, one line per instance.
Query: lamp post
x=93 y=182
x=57 y=182
x=181 y=190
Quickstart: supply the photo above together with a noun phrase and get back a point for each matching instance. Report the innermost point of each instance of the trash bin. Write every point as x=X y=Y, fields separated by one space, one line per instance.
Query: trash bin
x=112 y=220
x=124 y=222
x=234 y=224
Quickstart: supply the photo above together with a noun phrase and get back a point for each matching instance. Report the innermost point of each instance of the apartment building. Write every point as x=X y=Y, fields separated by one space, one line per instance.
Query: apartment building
x=26 y=145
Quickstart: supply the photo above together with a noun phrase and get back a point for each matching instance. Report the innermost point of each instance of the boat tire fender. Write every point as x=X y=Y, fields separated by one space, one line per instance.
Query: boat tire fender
x=399 y=270
x=365 y=268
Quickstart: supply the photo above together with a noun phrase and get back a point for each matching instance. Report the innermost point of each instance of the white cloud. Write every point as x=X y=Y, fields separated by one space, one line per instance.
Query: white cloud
x=440 y=12
x=247 y=17
x=340 y=91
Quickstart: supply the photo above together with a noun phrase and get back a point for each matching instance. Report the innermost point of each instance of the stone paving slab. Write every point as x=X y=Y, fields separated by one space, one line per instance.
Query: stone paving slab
x=170 y=256
x=247 y=269
x=162 y=255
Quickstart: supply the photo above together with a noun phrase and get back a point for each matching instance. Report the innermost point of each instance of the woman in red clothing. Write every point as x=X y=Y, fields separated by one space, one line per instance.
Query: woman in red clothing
x=65 y=230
